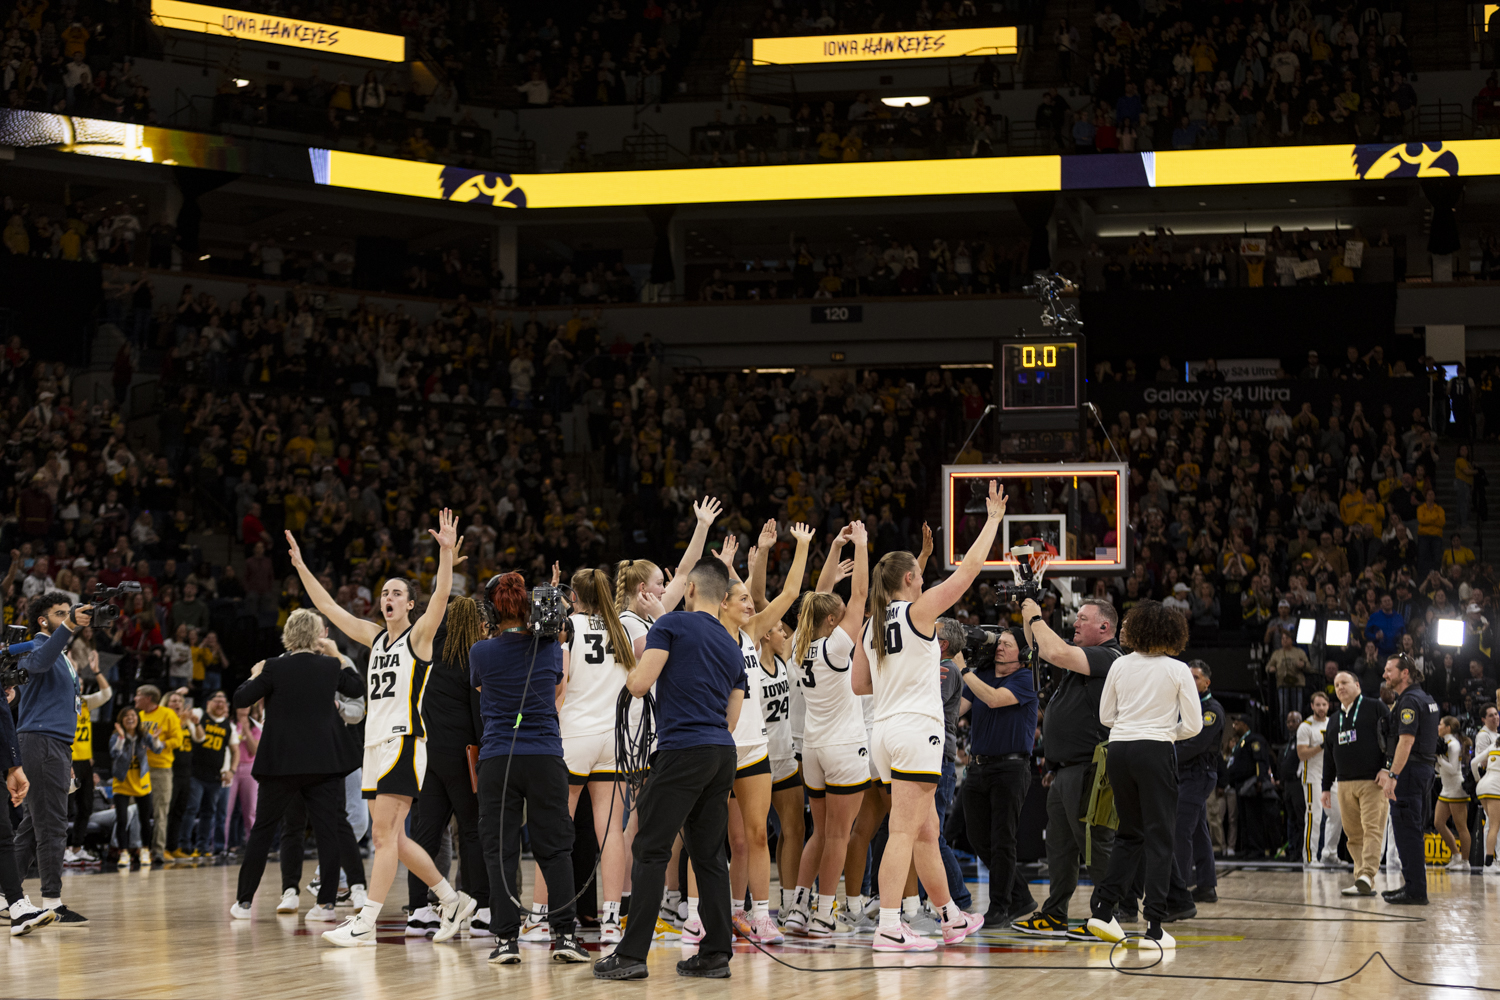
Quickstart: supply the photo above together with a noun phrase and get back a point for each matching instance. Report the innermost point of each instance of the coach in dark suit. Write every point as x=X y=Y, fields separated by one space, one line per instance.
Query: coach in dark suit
x=300 y=752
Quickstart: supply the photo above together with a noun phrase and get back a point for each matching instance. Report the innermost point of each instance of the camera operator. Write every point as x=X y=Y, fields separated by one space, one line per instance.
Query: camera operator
x=1070 y=732
x=1000 y=697
x=49 y=707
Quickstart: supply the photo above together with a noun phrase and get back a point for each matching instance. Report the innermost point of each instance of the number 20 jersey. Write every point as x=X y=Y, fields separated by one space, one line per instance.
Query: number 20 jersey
x=907 y=680
x=396 y=683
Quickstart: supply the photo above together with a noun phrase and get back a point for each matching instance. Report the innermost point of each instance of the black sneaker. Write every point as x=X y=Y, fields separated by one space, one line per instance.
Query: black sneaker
x=1205 y=895
x=342 y=899
x=1187 y=912
x=507 y=952
x=69 y=918
x=1403 y=898
x=565 y=948
x=617 y=966
x=705 y=967
x=1080 y=933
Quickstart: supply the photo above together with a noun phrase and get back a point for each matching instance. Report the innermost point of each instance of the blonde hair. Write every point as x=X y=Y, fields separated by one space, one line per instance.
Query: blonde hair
x=592 y=588
x=815 y=607
x=886 y=579
x=630 y=576
x=303 y=629
x=464 y=629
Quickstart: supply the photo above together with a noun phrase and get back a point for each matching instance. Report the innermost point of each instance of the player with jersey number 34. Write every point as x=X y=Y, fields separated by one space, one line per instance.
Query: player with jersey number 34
x=395 y=753
x=899 y=662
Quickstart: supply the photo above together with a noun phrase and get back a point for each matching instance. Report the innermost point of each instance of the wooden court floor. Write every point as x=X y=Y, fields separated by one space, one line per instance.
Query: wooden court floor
x=167 y=933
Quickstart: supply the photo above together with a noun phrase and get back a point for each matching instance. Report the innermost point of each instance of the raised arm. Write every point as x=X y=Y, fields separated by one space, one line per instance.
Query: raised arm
x=707 y=512
x=935 y=600
x=758 y=556
x=361 y=631
x=926 y=552
x=762 y=622
x=427 y=625
x=829 y=576
x=859 y=582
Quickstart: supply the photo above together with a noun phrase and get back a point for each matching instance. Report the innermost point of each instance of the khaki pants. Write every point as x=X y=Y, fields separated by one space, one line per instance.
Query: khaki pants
x=161 y=806
x=1363 y=807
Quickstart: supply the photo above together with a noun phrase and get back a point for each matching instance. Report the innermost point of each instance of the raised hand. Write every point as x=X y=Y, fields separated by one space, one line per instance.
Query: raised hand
x=994 y=504
x=858 y=534
x=752 y=557
x=845 y=535
x=802 y=533
x=556 y=573
x=927 y=539
x=459 y=560
x=295 y=551
x=447 y=533
x=767 y=534
x=728 y=549
x=707 y=510
x=844 y=571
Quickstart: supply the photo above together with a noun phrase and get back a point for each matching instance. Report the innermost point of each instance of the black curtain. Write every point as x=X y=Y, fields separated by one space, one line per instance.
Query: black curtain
x=662 y=270
x=1444 y=193
x=194 y=184
x=1035 y=210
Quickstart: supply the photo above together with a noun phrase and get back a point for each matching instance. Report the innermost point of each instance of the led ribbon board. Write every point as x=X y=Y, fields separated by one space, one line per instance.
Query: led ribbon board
x=274 y=30
x=803 y=49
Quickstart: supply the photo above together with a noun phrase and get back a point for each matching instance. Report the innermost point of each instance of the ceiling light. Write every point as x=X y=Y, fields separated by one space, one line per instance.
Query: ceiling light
x=204 y=257
x=241 y=82
x=901 y=102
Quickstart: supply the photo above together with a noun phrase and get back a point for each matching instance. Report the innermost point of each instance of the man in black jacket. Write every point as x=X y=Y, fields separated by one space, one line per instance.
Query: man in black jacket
x=300 y=751
x=1355 y=731
x=1197 y=776
x=1251 y=772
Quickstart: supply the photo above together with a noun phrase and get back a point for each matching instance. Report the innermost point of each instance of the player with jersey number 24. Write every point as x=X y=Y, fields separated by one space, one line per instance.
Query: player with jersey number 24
x=395 y=752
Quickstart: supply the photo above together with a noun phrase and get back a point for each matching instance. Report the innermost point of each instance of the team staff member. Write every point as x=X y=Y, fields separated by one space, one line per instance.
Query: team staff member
x=1001 y=700
x=1070 y=731
x=1356 y=758
x=695 y=662
x=1411 y=746
x=83 y=751
x=1197 y=777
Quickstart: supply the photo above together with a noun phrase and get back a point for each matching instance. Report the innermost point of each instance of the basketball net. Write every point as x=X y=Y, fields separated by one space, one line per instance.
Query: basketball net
x=1038 y=560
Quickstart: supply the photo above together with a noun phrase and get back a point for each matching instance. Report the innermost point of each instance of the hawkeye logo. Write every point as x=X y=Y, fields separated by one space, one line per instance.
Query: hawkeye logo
x=481 y=187
x=933 y=740
x=1410 y=159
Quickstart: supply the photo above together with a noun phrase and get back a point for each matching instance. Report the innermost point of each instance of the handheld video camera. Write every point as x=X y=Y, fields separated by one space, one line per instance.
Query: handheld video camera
x=105 y=612
x=979 y=643
x=1027 y=581
x=549 y=611
x=12 y=674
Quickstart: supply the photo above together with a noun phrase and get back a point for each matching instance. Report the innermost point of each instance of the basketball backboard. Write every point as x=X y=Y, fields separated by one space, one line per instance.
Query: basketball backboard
x=1076 y=511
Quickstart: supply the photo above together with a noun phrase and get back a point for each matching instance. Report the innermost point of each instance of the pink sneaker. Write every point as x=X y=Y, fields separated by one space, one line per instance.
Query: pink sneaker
x=966 y=924
x=764 y=930
x=692 y=931
x=903 y=940
x=741 y=924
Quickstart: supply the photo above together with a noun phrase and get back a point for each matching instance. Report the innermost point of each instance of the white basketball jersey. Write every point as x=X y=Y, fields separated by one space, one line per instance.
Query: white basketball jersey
x=907 y=680
x=752 y=725
x=397 y=680
x=595 y=680
x=776 y=708
x=833 y=711
x=1311 y=733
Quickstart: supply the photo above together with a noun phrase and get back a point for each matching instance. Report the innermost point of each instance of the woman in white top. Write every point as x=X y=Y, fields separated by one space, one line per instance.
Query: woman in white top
x=1486 y=768
x=1149 y=702
x=1453 y=799
x=897 y=661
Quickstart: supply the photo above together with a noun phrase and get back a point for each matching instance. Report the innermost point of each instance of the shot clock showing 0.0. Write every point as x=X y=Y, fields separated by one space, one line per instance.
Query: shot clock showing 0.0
x=1039 y=375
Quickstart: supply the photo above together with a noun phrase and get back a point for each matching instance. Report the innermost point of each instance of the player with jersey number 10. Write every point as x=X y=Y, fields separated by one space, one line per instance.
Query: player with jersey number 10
x=395 y=754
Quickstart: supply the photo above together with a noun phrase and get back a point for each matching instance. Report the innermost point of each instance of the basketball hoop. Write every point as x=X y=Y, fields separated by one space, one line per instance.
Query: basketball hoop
x=1038 y=562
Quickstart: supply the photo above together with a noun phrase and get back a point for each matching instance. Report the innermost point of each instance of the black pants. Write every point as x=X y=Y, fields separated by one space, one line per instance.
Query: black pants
x=446 y=792
x=83 y=801
x=1192 y=844
x=182 y=787
x=293 y=837
x=1143 y=774
x=1259 y=827
x=535 y=792
x=10 y=877
x=686 y=787
x=324 y=796
x=143 y=806
x=994 y=792
x=1410 y=813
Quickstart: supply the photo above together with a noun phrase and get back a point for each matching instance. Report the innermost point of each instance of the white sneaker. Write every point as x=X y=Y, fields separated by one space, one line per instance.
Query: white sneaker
x=920 y=922
x=288 y=902
x=1458 y=863
x=352 y=933
x=358 y=897
x=1166 y=942
x=610 y=932
x=536 y=931
x=479 y=923
x=794 y=918
x=70 y=857
x=144 y=854
x=25 y=918
x=321 y=914
x=240 y=911
x=423 y=922
x=452 y=915
x=84 y=857
x=1109 y=930
x=1493 y=868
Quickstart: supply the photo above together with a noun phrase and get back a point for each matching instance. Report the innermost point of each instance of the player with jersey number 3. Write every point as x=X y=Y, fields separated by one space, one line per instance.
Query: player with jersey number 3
x=395 y=753
x=899 y=662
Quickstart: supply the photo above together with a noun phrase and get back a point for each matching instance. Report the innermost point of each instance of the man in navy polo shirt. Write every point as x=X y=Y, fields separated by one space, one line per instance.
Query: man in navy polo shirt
x=1001 y=699
x=700 y=681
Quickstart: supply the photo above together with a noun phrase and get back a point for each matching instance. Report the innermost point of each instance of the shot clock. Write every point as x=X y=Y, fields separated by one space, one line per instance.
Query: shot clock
x=1039 y=375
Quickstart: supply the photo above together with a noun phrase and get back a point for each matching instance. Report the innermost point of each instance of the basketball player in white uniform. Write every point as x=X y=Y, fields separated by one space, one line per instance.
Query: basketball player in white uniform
x=776 y=702
x=897 y=661
x=395 y=756
x=1320 y=827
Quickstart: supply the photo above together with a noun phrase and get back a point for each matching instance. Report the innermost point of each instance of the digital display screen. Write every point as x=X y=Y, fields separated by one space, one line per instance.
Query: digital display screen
x=1039 y=375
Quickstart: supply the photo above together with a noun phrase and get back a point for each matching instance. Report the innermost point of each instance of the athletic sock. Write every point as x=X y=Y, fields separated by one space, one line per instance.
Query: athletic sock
x=692 y=905
x=890 y=920
x=910 y=905
x=760 y=908
x=539 y=913
x=855 y=905
x=445 y=892
x=51 y=902
x=371 y=912
x=950 y=911
x=611 y=912
x=825 y=905
x=800 y=896
x=1153 y=930
x=670 y=900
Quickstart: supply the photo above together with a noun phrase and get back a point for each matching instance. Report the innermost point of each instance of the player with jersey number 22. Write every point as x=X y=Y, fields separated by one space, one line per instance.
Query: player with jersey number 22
x=395 y=753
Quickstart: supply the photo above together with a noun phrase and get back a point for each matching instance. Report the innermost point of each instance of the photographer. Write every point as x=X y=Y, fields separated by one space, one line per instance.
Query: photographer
x=49 y=707
x=1070 y=732
x=1001 y=700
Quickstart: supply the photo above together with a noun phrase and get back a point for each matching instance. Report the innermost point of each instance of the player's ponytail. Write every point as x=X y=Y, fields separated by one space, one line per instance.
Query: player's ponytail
x=464 y=630
x=630 y=576
x=592 y=588
x=885 y=581
x=816 y=606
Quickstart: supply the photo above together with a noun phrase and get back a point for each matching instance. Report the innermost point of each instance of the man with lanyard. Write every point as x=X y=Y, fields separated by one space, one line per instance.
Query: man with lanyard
x=1197 y=777
x=1071 y=730
x=1411 y=753
x=1352 y=761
